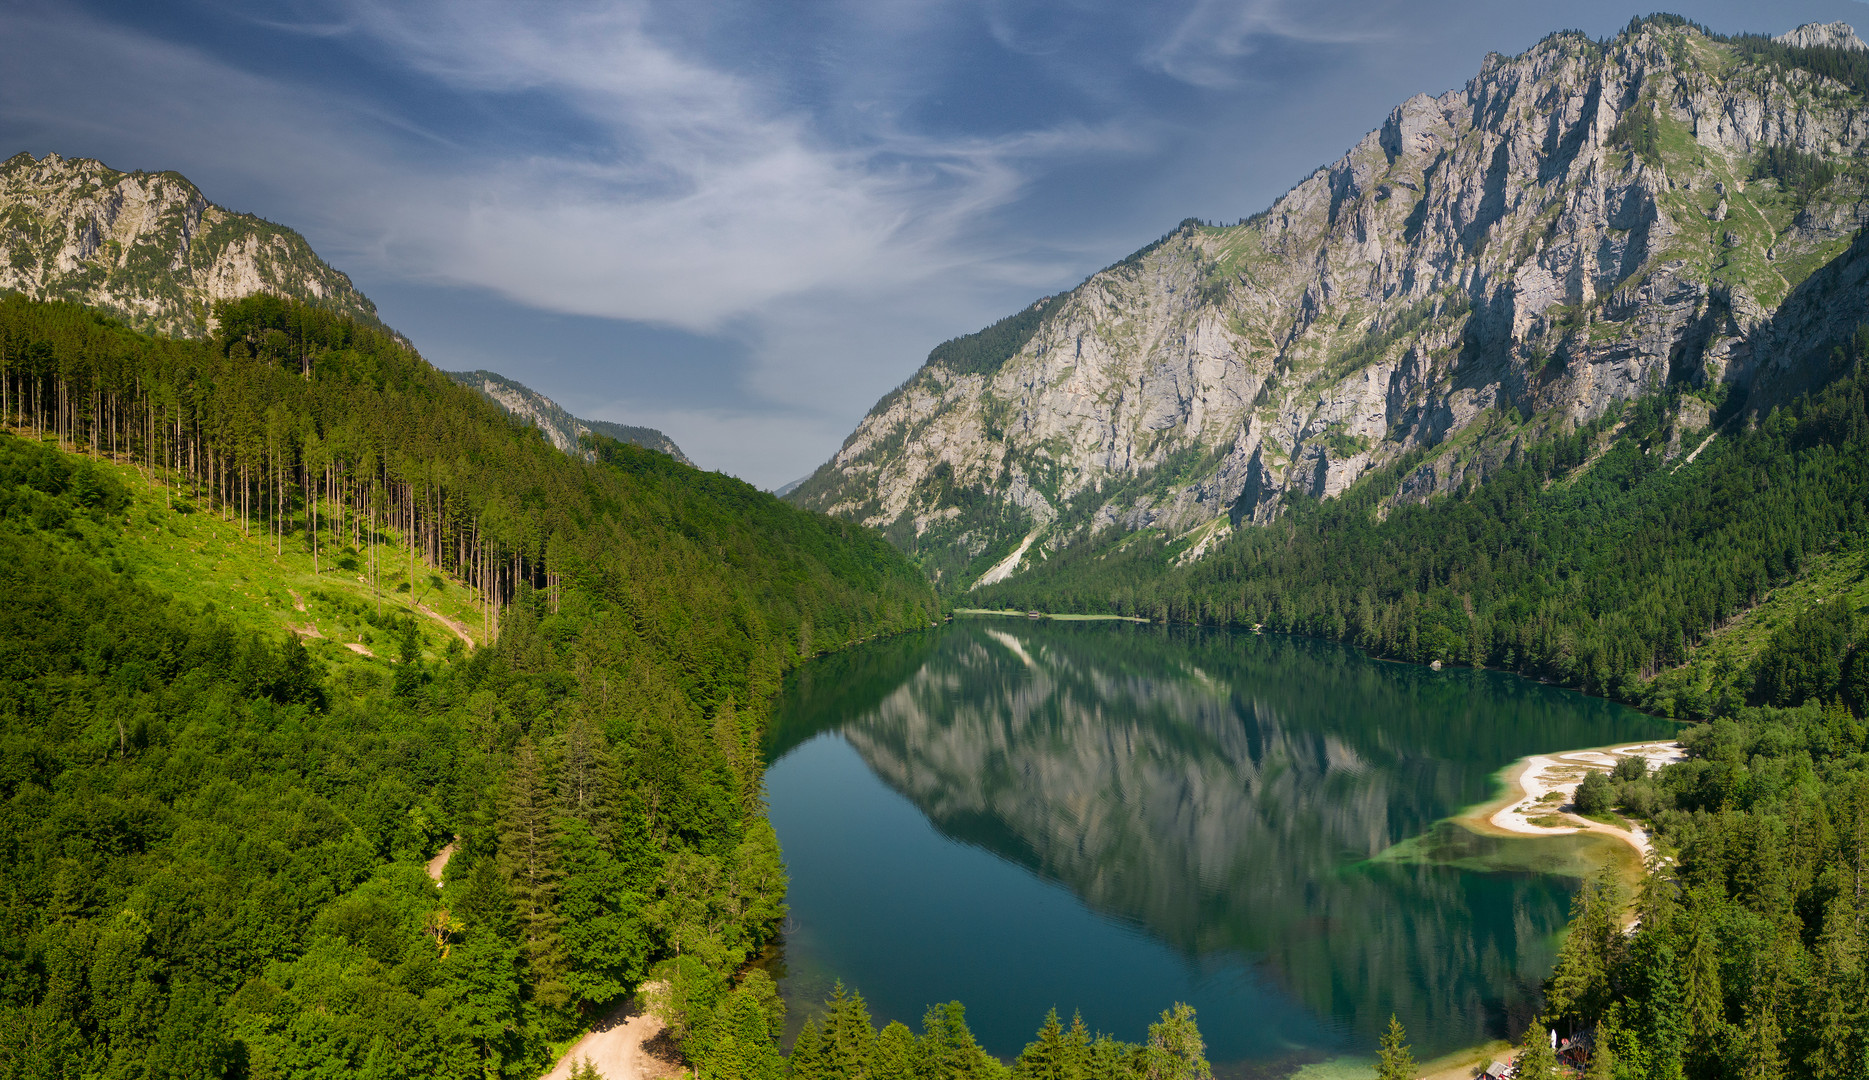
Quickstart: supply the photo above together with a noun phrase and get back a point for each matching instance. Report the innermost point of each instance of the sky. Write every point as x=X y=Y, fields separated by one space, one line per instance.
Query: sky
x=743 y=222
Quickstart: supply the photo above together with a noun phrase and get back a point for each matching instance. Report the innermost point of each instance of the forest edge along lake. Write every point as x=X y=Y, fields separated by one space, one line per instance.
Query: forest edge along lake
x=1107 y=818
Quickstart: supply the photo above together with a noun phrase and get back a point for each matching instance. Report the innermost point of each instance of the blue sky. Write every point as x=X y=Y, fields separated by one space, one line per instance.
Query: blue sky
x=742 y=222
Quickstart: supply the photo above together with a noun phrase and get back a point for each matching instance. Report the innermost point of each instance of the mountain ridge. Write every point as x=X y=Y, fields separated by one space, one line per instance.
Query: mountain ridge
x=150 y=249
x=1580 y=225
x=561 y=428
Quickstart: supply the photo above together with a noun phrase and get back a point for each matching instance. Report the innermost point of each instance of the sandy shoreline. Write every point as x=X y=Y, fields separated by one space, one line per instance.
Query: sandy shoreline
x=1539 y=787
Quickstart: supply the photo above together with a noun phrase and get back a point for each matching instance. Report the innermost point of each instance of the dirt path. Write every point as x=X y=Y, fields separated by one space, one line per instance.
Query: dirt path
x=460 y=631
x=440 y=862
x=1689 y=459
x=1545 y=782
x=626 y=1045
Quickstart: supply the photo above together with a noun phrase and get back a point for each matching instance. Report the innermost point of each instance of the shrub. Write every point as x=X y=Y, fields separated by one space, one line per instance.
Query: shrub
x=1595 y=794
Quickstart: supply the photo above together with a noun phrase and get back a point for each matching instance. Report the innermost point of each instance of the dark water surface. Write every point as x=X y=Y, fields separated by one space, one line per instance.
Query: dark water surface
x=1111 y=818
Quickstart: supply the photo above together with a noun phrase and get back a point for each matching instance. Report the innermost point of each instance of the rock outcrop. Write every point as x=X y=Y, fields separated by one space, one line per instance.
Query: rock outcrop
x=1836 y=35
x=149 y=248
x=1577 y=226
x=561 y=429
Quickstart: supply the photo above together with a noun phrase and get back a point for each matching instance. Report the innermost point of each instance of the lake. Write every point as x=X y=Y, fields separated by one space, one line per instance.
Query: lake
x=1109 y=818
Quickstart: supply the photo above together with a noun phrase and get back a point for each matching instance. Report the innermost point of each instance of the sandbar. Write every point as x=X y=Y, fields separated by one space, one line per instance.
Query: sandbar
x=1539 y=788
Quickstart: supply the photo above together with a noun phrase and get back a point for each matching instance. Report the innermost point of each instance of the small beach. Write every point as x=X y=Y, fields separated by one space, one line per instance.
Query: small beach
x=1539 y=788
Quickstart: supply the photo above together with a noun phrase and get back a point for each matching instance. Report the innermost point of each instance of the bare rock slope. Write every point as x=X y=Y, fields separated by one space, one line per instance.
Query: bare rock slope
x=560 y=428
x=149 y=248
x=1577 y=226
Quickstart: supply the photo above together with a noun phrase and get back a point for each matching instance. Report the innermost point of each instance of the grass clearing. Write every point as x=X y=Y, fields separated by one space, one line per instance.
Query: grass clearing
x=177 y=544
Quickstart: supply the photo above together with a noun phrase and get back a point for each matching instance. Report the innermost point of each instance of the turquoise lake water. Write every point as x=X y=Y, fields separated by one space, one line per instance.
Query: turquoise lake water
x=1109 y=818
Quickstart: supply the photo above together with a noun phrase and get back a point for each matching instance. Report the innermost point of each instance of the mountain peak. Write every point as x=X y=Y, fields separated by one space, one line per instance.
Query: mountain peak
x=1579 y=226
x=149 y=248
x=1835 y=35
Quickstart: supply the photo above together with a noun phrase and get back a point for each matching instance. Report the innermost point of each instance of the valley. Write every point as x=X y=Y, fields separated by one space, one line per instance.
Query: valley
x=1432 y=611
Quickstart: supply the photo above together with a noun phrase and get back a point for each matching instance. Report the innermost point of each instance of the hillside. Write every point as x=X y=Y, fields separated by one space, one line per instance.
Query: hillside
x=563 y=430
x=239 y=707
x=149 y=248
x=1578 y=226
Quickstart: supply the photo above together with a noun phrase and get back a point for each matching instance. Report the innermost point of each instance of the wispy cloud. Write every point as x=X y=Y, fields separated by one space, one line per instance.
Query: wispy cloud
x=1206 y=47
x=708 y=200
x=694 y=194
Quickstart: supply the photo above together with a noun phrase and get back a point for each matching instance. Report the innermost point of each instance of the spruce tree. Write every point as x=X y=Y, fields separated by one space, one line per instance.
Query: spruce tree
x=806 y=1061
x=1175 y=1050
x=1394 y=1060
x=948 y=1050
x=586 y=776
x=1705 y=998
x=1537 y=1060
x=895 y=1056
x=849 y=1036
x=1580 y=987
x=529 y=856
x=1833 y=1010
x=1039 y=1059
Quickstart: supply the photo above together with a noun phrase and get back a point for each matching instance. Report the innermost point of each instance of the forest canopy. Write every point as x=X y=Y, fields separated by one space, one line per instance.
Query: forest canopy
x=215 y=840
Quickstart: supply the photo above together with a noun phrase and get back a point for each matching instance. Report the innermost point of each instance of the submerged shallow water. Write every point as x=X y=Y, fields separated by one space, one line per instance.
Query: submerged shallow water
x=1110 y=818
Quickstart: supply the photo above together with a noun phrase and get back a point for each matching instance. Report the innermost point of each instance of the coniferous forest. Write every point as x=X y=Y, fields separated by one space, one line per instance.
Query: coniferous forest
x=214 y=844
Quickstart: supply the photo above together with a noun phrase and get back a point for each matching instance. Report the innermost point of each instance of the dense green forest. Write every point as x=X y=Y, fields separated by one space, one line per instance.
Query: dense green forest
x=215 y=834
x=1747 y=956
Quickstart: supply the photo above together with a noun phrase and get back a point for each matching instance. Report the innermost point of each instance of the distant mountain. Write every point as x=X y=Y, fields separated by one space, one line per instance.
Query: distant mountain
x=559 y=426
x=149 y=248
x=1579 y=226
x=786 y=489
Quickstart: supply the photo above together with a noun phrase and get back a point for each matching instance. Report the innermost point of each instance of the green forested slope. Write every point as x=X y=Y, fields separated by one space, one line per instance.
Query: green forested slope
x=214 y=833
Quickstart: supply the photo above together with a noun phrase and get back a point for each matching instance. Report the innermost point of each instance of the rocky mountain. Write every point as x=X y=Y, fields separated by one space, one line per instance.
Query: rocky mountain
x=559 y=426
x=149 y=248
x=1577 y=226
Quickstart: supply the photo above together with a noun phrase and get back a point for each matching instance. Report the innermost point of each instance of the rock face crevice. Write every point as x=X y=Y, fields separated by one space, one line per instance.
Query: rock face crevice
x=149 y=248
x=1575 y=227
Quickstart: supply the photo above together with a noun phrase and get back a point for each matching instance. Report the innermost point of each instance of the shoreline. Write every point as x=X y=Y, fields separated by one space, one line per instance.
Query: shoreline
x=1535 y=787
x=1010 y=613
x=1539 y=786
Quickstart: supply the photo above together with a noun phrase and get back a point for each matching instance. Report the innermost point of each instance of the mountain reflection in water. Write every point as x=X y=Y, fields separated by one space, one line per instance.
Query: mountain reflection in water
x=1224 y=793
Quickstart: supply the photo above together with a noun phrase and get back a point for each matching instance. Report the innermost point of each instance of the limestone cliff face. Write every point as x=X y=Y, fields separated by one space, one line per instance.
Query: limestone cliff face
x=1577 y=226
x=148 y=248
